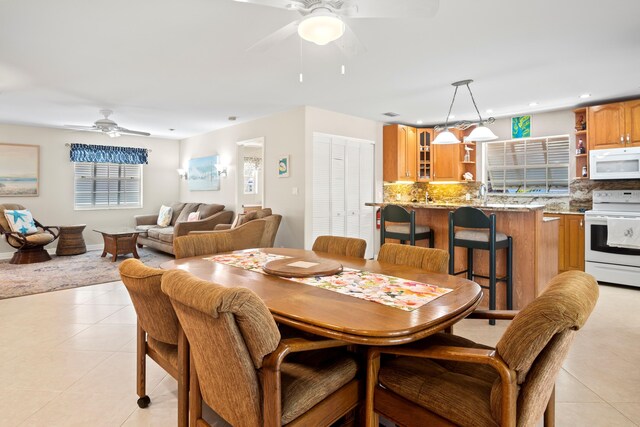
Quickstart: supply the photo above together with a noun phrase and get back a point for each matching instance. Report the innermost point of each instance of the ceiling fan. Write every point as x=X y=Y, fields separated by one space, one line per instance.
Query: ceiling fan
x=322 y=21
x=108 y=126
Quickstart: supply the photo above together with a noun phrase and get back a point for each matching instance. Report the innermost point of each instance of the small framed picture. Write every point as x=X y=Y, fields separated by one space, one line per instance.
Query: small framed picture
x=283 y=166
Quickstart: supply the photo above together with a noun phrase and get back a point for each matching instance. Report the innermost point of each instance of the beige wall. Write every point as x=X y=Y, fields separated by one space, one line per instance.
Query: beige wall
x=54 y=205
x=283 y=134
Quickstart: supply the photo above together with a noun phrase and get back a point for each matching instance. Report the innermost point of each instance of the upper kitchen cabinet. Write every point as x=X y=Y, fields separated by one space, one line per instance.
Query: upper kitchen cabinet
x=614 y=125
x=448 y=159
x=424 y=137
x=399 y=153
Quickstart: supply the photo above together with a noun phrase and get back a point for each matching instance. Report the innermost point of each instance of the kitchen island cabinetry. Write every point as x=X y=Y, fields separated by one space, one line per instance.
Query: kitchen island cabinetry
x=399 y=153
x=535 y=246
x=570 y=241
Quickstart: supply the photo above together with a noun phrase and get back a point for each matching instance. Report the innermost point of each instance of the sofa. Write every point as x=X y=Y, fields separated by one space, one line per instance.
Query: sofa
x=161 y=238
x=272 y=223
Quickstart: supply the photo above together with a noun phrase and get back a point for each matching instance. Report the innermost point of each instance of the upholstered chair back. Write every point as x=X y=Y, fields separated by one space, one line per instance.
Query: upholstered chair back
x=153 y=308
x=230 y=330
x=538 y=339
x=347 y=246
x=246 y=236
x=271 y=225
x=430 y=259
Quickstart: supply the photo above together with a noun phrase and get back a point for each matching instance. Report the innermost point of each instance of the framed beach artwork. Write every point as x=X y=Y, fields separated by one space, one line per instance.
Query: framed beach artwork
x=19 y=166
x=521 y=127
x=203 y=174
x=283 y=166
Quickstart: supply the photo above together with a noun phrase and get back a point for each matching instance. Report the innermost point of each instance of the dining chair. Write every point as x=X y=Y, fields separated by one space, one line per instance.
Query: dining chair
x=246 y=236
x=245 y=371
x=449 y=380
x=347 y=246
x=159 y=334
x=430 y=259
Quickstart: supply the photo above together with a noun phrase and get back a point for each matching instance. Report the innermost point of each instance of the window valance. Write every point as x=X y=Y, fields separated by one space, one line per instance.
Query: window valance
x=108 y=154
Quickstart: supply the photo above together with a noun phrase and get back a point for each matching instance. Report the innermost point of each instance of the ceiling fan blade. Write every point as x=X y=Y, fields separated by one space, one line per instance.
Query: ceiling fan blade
x=282 y=4
x=388 y=9
x=350 y=44
x=87 y=128
x=275 y=38
x=132 y=132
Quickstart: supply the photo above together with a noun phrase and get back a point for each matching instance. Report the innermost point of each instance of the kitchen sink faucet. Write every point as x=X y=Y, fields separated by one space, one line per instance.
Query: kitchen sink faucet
x=482 y=193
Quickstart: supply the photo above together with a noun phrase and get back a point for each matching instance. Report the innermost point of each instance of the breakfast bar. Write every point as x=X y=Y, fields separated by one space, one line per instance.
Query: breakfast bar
x=535 y=245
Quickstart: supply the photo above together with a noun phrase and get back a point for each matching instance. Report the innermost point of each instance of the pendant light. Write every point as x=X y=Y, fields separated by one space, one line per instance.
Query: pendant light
x=480 y=134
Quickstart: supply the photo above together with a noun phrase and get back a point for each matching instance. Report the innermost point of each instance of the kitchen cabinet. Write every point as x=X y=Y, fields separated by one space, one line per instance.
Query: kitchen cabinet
x=424 y=138
x=399 y=153
x=614 y=125
x=570 y=241
x=448 y=162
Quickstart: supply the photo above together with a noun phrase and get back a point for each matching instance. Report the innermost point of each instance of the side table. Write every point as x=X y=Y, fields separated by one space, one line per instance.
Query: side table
x=70 y=240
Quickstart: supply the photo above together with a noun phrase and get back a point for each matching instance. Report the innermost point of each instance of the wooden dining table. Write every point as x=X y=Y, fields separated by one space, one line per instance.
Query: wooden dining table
x=343 y=317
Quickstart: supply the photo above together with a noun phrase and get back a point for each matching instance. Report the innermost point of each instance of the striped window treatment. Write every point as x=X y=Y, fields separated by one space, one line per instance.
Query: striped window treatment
x=108 y=154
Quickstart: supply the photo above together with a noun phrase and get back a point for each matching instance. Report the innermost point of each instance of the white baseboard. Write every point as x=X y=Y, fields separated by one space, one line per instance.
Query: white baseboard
x=52 y=251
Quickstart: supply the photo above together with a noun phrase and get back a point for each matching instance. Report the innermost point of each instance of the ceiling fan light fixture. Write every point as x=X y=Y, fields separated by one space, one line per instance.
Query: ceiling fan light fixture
x=113 y=133
x=321 y=28
x=481 y=134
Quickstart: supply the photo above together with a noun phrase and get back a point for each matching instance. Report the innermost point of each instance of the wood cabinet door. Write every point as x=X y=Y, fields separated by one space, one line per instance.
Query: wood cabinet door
x=411 y=154
x=445 y=162
x=605 y=126
x=402 y=153
x=574 y=235
x=561 y=241
x=632 y=122
x=423 y=139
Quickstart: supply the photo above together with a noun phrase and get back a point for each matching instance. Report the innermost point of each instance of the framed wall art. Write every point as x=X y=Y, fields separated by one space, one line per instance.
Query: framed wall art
x=283 y=166
x=203 y=174
x=19 y=166
x=521 y=127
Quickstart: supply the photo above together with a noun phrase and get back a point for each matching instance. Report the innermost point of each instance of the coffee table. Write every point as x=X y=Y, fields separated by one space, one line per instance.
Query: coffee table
x=119 y=241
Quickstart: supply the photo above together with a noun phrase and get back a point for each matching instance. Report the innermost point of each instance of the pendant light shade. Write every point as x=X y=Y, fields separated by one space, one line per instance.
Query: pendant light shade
x=321 y=28
x=481 y=134
x=446 y=137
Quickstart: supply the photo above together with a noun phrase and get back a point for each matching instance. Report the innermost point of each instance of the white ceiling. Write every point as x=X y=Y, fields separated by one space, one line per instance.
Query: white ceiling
x=183 y=64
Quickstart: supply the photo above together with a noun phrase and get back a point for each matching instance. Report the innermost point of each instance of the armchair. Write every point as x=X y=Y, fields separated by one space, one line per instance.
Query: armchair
x=272 y=223
x=449 y=380
x=30 y=247
x=268 y=381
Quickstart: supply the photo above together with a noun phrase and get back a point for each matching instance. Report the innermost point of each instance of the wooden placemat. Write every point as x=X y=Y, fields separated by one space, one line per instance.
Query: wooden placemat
x=302 y=267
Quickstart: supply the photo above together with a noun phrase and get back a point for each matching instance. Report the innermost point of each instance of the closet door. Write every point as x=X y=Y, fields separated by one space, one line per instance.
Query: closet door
x=352 y=189
x=366 y=213
x=321 y=225
x=338 y=169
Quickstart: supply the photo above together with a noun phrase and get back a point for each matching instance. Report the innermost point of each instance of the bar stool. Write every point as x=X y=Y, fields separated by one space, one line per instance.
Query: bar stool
x=485 y=237
x=404 y=226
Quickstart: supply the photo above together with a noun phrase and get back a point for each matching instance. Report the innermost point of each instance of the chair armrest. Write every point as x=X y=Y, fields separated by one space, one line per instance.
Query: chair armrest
x=54 y=230
x=270 y=374
x=150 y=219
x=493 y=314
x=219 y=227
x=207 y=224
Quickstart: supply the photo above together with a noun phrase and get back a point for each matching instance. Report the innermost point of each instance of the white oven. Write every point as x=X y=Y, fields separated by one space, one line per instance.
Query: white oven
x=609 y=263
x=615 y=163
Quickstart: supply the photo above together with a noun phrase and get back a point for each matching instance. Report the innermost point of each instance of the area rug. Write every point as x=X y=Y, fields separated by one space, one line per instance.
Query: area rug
x=65 y=272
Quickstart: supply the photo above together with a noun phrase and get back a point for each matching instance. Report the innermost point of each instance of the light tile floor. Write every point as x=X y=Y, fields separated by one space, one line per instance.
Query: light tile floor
x=67 y=358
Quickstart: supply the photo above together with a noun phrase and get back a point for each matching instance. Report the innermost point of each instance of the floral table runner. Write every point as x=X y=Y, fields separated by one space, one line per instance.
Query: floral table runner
x=392 y=291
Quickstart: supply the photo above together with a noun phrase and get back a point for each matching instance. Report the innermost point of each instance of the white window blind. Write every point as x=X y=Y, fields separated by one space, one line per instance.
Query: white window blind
x=107 y=185
x=531 y=165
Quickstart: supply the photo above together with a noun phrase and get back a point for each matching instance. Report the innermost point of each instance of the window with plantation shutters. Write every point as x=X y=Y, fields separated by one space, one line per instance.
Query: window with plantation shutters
x=107 y=185
x=528 y=165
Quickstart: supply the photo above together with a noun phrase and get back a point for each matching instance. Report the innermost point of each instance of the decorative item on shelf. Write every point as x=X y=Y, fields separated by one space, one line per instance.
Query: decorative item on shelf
x=581 y=149
x=581 y=124
x=283 y=167
x=584 y=171
x=467 y=176
x=480 y=134
x=467 y=153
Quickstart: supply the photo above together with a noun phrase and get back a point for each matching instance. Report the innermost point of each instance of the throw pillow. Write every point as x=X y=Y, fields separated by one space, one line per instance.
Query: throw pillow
x=21 y=221
x=193 y=216
x=243 y=218
x=164 y=216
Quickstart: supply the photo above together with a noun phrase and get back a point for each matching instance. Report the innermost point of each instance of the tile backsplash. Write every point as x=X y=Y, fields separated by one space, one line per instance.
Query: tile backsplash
x=579 y=198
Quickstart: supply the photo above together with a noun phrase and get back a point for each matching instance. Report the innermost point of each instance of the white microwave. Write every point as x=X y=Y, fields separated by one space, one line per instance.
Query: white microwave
x=616 y=163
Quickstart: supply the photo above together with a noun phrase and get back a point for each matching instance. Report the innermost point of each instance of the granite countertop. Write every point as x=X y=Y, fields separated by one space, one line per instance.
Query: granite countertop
x=563 y=211
x=488 y=206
